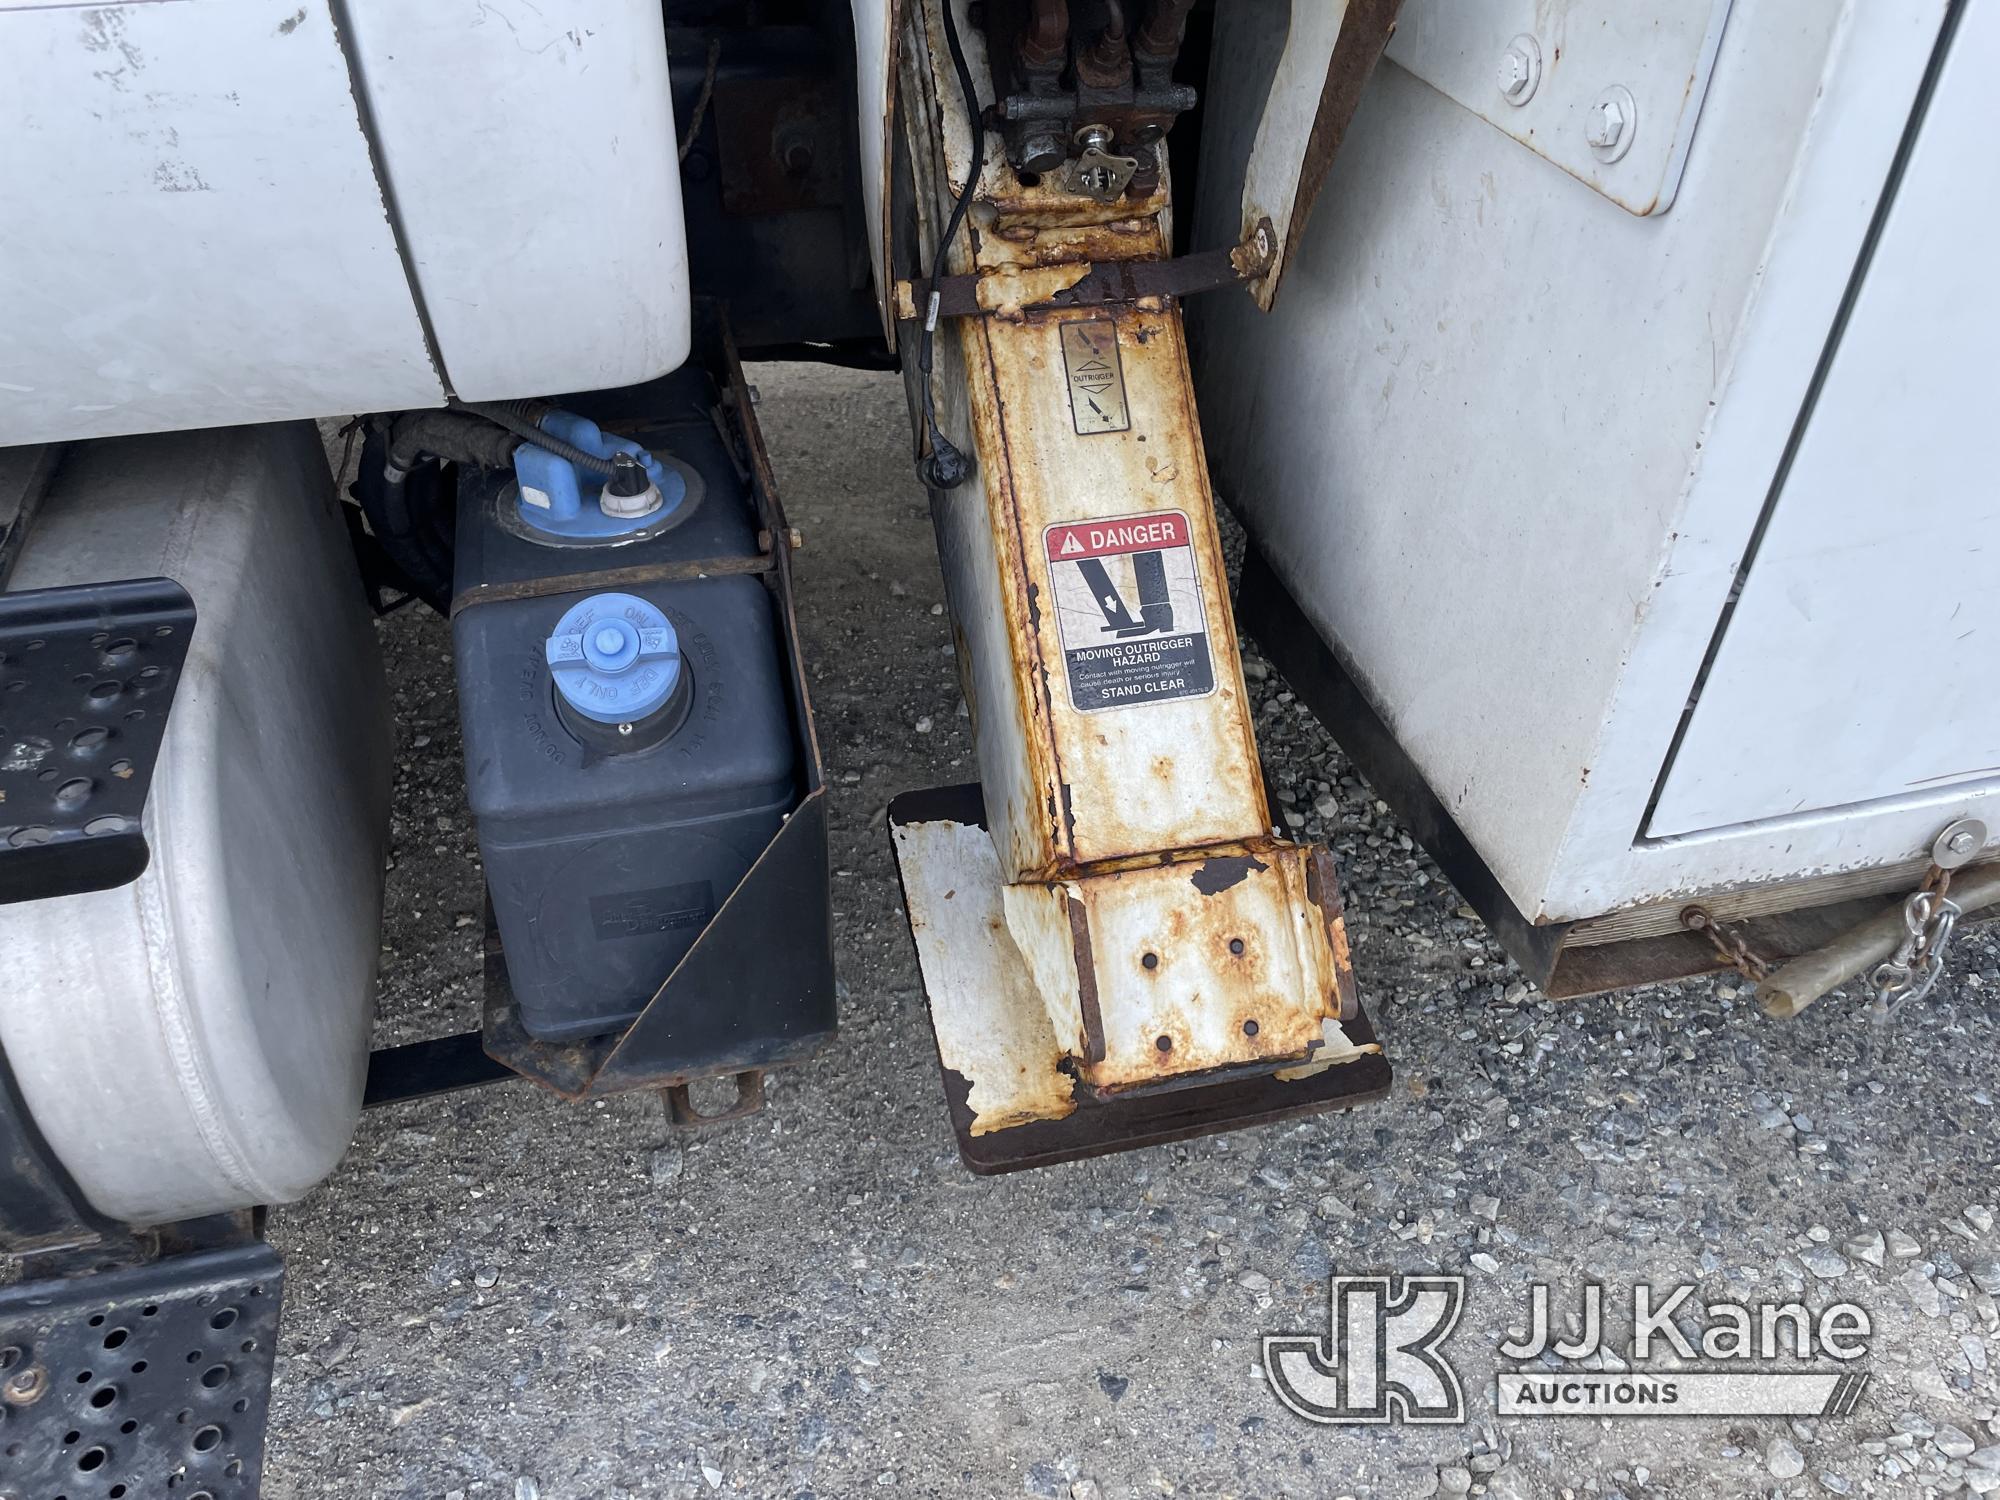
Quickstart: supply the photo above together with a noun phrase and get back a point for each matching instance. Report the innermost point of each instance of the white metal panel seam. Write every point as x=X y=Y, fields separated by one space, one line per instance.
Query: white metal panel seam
x=1871 y=78
x=1679 y=801
x=343 y=31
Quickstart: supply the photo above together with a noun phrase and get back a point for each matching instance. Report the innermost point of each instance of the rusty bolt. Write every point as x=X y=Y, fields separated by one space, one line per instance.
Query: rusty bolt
x=1520 y=70
x=26 y=1387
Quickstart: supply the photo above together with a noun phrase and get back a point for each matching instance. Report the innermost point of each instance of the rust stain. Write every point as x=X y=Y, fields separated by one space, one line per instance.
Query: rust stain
x=1086 y=980
x=1365 y=30
x=1005 y=293
x=1196 y=971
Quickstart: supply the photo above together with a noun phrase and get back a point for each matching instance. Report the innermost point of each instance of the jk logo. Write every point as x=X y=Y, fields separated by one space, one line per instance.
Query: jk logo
x=1379 y=1360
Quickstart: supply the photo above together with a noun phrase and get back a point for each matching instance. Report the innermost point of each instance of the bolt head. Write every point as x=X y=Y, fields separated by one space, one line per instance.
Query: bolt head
x=1519 y=70
x=1604 y=125
x=1042 y=152
x=1960 y=842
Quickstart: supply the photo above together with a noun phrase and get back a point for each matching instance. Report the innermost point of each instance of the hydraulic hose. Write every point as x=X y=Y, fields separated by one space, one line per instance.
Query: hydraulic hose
x=460 y=437
x=408 y=510
x=1164 y=29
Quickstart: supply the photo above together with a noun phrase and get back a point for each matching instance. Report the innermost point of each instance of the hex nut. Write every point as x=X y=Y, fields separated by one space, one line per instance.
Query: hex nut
x=1610 y=123
x=1520 y=70
x=1958 y=843
x=1606 y=124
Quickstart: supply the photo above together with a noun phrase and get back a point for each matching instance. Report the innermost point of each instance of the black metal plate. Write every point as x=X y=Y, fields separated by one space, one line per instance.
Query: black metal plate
x=154 y=1381
x=1099 y=1128
x=87 y=674
x=738 y=1002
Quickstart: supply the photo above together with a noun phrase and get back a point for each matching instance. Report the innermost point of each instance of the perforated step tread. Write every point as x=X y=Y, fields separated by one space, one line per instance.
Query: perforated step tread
x=149 y=1383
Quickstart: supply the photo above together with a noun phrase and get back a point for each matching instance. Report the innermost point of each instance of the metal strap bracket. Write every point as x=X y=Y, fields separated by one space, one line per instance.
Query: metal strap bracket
x=1013 y=292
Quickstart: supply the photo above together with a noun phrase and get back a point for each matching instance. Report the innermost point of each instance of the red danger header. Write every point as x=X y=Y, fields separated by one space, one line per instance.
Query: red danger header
x=1166 y=528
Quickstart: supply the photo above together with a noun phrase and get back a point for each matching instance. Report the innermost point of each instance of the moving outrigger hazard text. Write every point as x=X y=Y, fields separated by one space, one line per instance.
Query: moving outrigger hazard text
x=1129 y=610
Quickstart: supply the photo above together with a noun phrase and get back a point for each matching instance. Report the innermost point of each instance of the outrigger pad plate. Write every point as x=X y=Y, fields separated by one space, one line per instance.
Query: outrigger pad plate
x=87 y=675
x=996 y=1045
x=154 y=1381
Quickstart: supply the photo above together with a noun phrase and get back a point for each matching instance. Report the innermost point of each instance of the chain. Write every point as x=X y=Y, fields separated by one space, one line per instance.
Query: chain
x=1730 y=945
x=1913 y=970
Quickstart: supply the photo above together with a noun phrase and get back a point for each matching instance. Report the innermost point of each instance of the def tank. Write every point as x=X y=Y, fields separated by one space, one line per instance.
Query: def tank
x=629 y=749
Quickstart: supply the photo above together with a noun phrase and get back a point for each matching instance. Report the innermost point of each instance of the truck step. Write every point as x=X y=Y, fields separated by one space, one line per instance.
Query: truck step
x=143 y=1382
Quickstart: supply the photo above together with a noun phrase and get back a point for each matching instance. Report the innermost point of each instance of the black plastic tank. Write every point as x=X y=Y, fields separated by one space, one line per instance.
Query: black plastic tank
x=629 y=749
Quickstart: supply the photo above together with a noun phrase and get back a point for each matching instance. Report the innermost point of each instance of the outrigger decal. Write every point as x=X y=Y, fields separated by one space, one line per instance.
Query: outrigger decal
x=1129 y=610
x=1096 y=377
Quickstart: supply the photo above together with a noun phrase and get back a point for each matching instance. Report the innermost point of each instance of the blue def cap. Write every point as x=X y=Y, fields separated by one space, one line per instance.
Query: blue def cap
x=615 y=658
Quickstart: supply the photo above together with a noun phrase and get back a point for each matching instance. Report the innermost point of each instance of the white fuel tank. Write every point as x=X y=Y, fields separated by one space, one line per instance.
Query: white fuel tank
x=197 y=1040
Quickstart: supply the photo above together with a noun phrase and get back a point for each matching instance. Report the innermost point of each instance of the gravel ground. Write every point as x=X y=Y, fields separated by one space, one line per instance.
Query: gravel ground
x=502 y=1296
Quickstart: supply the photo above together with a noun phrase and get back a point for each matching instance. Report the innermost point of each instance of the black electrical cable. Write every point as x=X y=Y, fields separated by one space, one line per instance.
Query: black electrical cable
x=944 y=467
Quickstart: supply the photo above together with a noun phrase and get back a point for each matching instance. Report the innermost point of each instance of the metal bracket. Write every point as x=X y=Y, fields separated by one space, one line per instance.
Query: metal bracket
x=1961 y=842
x=749 y=1100
x=1100 y=175
x=87 y=675
x=1093 y=283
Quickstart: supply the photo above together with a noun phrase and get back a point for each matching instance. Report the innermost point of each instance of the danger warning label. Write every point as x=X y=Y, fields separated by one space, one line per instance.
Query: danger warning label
x=1129 y=610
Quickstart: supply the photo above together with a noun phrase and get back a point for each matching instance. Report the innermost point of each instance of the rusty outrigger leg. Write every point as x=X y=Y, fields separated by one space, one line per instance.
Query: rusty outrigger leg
x=1116 y=946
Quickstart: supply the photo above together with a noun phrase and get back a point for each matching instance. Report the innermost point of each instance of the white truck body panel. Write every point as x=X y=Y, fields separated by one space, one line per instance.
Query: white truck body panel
x=530 y=154
x=1876 y=570
x=191 y=230
x=231 y=212
x=1507 y=444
